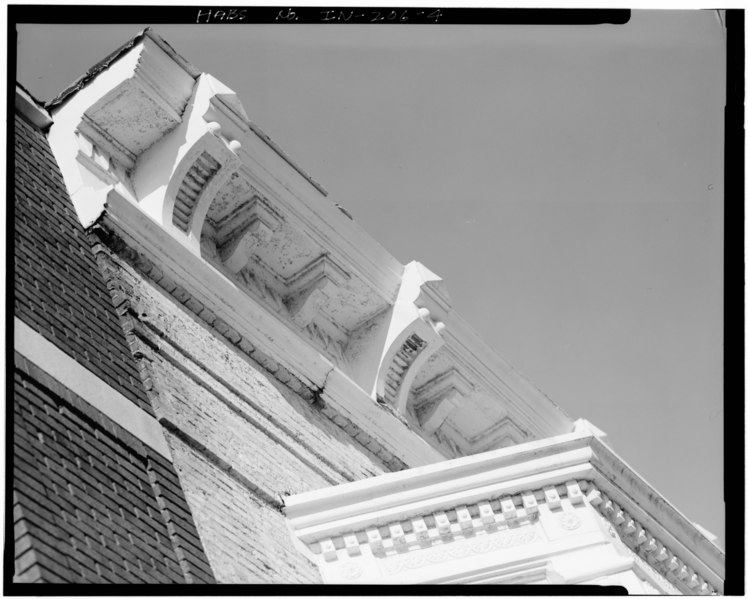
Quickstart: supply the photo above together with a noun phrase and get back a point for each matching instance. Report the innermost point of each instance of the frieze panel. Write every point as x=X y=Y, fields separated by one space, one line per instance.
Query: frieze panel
x=464 y=548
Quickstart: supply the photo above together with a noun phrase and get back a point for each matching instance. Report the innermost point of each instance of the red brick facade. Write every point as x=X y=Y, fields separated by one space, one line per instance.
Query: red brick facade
x=91 y=502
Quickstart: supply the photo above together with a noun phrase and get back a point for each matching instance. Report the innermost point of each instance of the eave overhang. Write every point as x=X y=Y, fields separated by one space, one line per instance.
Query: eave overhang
x=169 y=158
x=578 y=467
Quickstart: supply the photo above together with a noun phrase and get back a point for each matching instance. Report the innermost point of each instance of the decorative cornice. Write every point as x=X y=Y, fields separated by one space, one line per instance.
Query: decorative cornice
x=498 y=488
x=241 y=231
x=434 y=400
x=269 y=335
x=500 y=523
x=194 y=182
x=180 y=148
x=649 y=547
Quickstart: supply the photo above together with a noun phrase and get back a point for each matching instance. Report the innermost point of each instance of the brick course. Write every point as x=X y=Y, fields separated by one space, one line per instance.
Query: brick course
x=241 y=437
x=87 y=502
x=246 y=540
x=59 y=290
x=91 y=502
x=242 y=429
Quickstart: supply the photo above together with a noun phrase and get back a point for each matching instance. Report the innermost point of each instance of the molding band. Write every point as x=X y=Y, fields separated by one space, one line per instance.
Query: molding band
x=76 y=377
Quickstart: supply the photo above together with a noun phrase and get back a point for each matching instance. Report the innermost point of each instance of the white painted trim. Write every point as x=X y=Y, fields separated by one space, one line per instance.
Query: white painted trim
x=29 y=108
x=443 y=478
x=151 y=64
x=266 y=330
x=81 y=381
x=387 y=498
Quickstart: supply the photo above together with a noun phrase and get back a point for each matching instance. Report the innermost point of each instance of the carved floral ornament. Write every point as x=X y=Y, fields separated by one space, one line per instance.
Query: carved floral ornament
x=178 y=146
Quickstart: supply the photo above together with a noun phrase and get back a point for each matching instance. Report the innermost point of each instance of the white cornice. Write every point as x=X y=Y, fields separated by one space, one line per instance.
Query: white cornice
x=460 y=480
x=198 y=151
x=654 y=512
x=545 y=464
x=308 y=210
x=538 y=412
x=267 y=331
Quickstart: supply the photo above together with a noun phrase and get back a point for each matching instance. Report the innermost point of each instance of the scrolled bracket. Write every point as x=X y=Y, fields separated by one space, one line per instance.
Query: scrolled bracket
x=415 y=333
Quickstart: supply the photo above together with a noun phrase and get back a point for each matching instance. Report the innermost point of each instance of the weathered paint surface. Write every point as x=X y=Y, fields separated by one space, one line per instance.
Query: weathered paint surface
x=241 y=438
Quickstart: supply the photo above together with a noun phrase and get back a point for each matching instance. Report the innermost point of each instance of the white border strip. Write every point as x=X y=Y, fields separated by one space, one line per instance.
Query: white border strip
x=90 y=387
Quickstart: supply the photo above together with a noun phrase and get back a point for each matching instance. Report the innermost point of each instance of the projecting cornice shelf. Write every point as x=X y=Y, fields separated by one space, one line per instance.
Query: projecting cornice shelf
x=174 y=155
x=561 y=495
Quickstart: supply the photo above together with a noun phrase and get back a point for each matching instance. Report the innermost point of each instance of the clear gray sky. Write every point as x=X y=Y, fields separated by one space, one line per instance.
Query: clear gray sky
x=566 y=182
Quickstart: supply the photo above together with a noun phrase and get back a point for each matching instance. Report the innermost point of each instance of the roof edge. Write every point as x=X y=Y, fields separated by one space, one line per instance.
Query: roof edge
x=31 y=108
x=192 y=70
x=113 y=57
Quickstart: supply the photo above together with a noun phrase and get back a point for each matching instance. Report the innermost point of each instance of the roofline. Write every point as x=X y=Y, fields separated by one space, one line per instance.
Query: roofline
x=194 y=72
x=277 y=149
x=113 y=57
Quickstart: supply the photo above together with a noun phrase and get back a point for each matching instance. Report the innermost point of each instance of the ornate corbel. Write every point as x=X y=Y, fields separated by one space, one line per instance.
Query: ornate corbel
x=415 y=333
x=204 y=170
x=114 y=116
x=178 y=178
x=311 y=287
x=435 y=400
x=244 y=229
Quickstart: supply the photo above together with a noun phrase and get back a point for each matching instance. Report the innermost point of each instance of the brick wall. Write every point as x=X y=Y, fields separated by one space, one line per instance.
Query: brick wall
x=243 y=431
x=59 y=290
x=240 y=435
x=246 y=537
x=91 y=503
x=88 y=498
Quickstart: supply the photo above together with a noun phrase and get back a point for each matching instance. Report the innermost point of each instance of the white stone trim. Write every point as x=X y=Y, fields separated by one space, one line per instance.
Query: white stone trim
x=81 y=381
x=360 y=290
x=498 y=486
x=426 y=489
x=28 y=107
x=271 y=335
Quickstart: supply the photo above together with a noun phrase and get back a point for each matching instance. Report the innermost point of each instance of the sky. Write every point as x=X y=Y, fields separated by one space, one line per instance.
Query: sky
x=565 y=181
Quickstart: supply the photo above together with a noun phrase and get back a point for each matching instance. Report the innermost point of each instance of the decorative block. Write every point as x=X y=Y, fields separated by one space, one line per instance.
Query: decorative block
x=374 y=539
x=574 y=493
x=420 y=529
x=693 y=580
x=486 y=513
x=609 y=507
x=442 y=523
x=552 y=498
x=327 y=548
x=594 y=497
x=530 y=503
x=640 y=535
x=463 y=518
x=661 y=553
x=629 y=527
x=508 y=509
x=351 y=545
x=673 y=563
x=397 y=534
